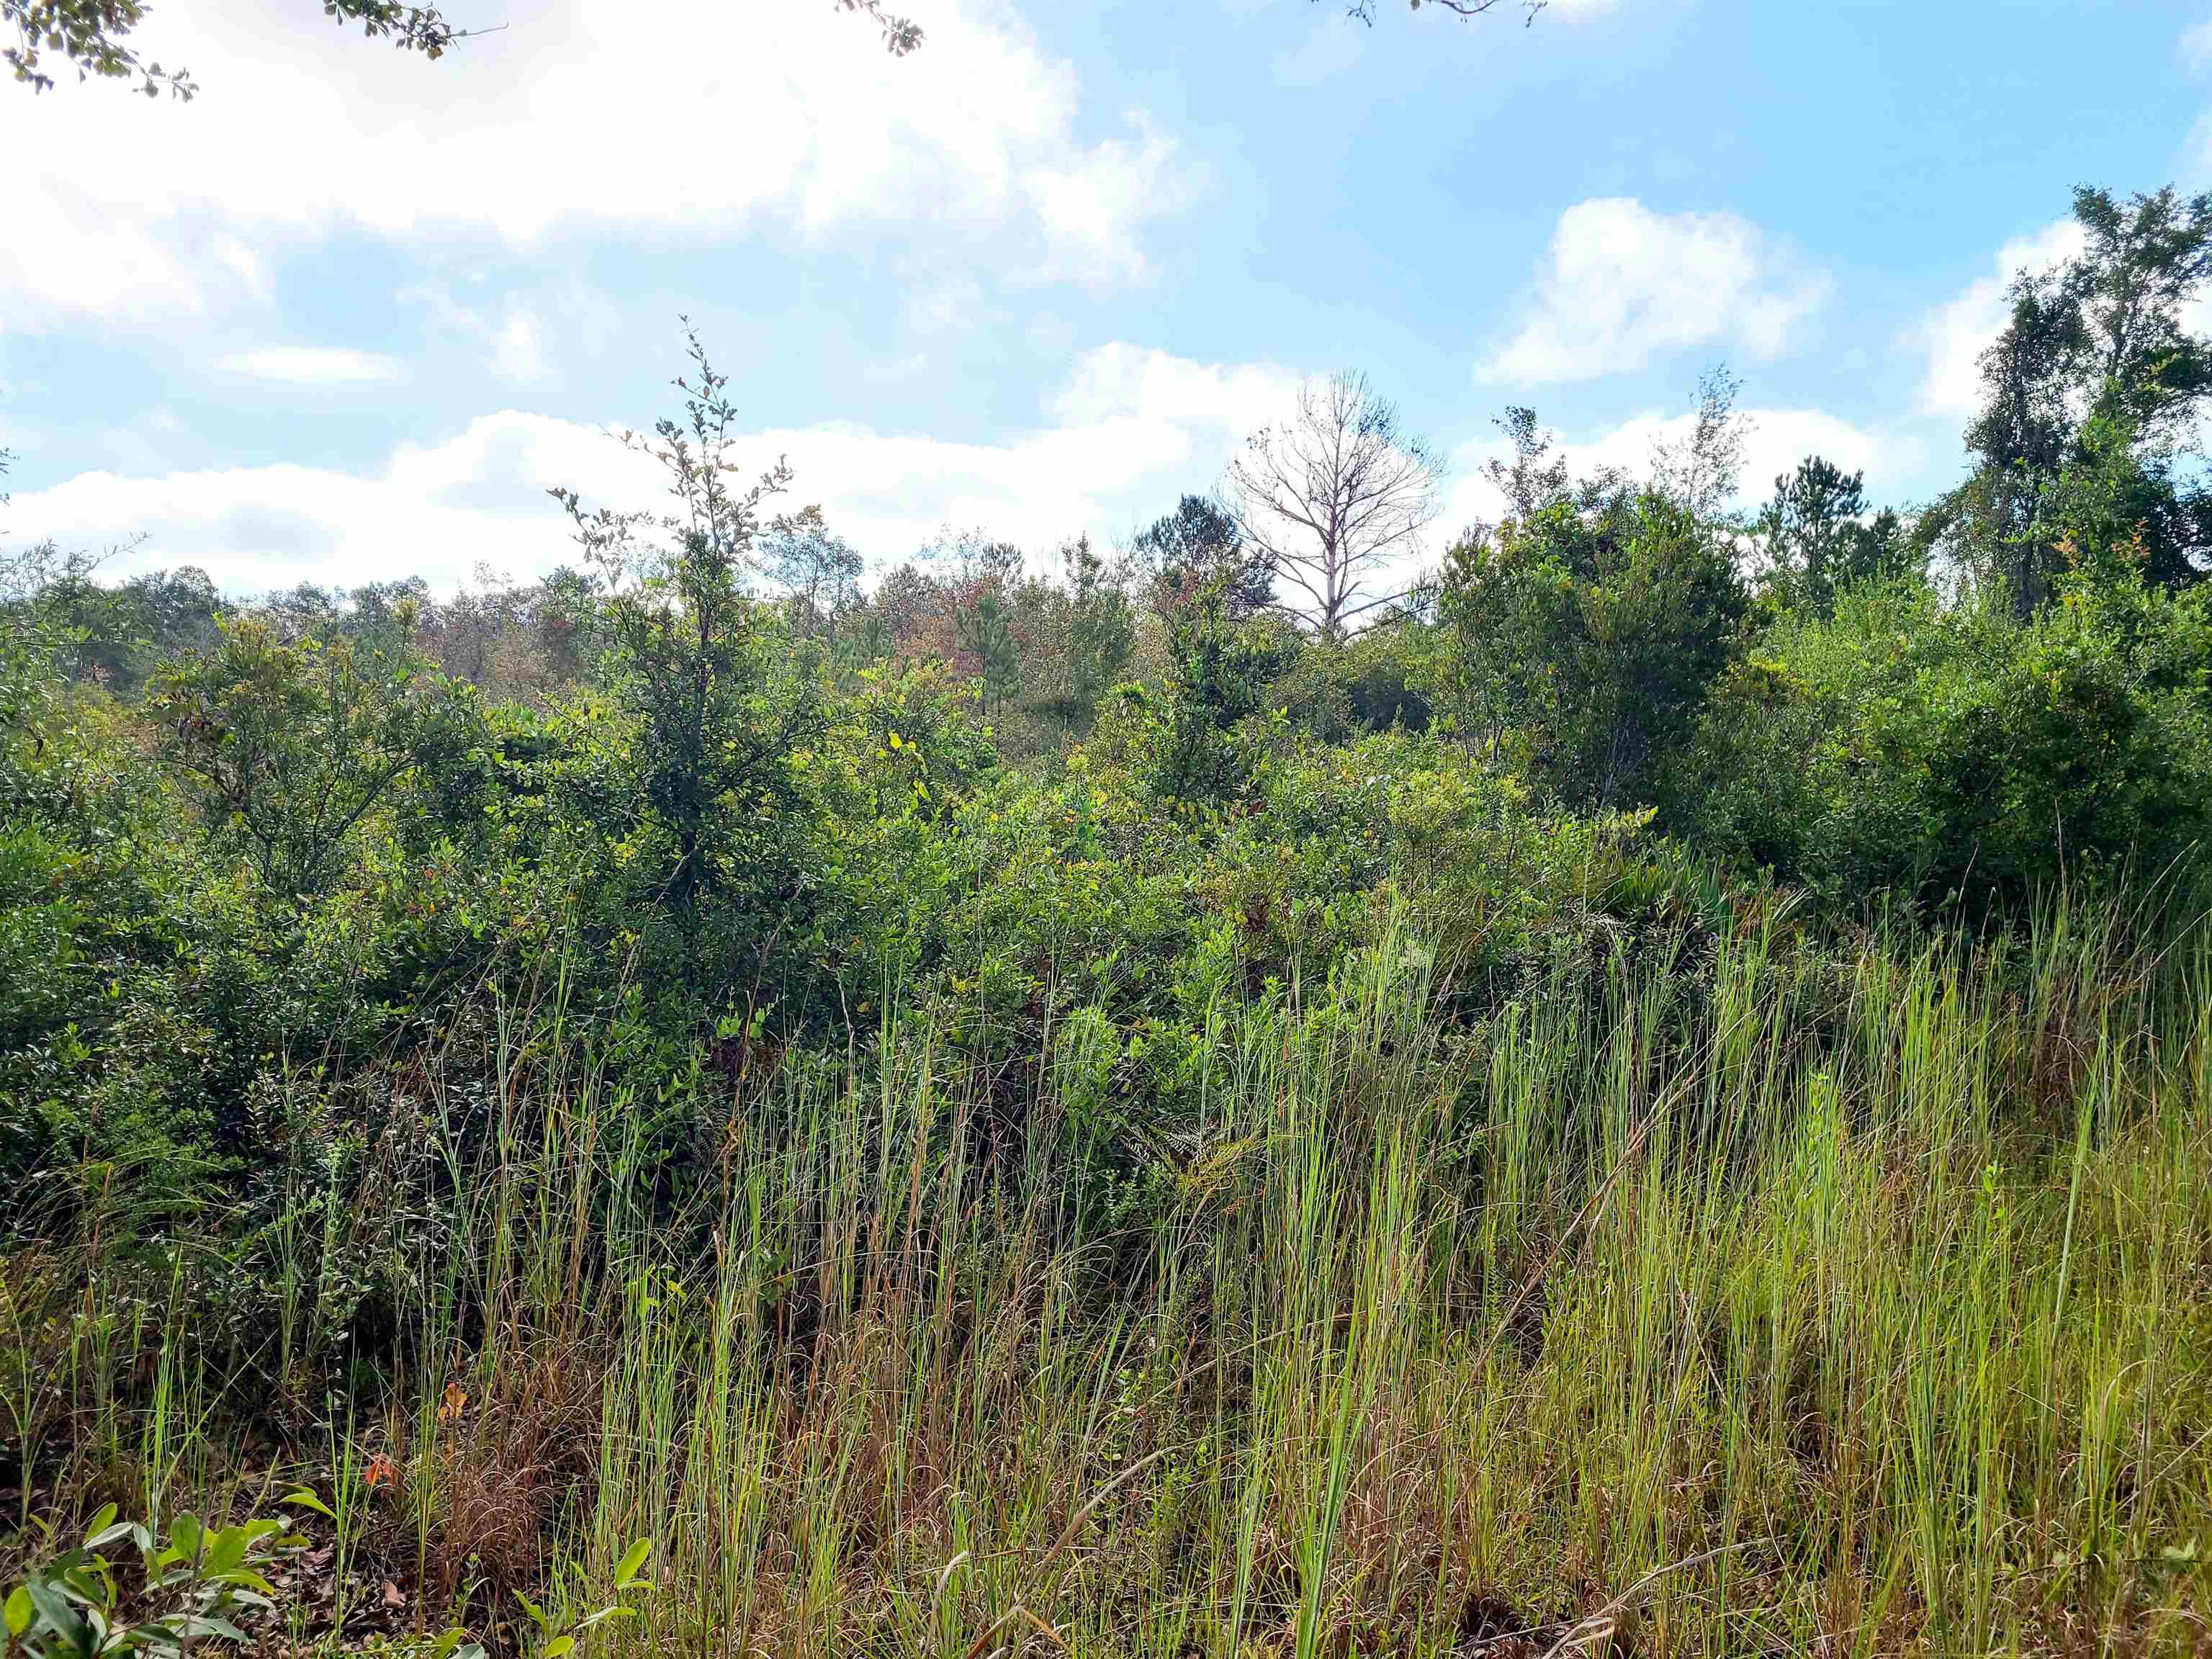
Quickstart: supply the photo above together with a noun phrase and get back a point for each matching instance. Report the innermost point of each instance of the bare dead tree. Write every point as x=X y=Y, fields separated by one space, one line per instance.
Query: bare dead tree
x=1332 y=498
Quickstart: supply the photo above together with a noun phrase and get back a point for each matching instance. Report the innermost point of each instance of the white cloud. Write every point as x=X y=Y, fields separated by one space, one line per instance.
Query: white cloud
x=1090 y=204
x=517 y=353
x=1125 y=382
x=67 y=255
x=695 y=121
x=2196 y=44
x=1775 y=441
x=309 y=365
x=242 y=266
x=1953 y=336
x=1130 y=430
x=1622 y=285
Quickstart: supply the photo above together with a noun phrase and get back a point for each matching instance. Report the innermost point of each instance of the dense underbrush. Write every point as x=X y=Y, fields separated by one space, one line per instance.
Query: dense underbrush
x=1611 y=1111
x=1745 y=1297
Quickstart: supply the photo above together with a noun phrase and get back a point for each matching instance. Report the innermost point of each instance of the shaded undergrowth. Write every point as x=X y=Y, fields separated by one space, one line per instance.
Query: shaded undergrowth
x=1765 y=1302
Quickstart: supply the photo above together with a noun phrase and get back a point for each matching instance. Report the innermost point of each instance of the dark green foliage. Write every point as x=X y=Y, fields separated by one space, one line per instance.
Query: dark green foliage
x=627 y=1041
x=1182 y=553
x=287 y=746
x=2103 y=337
x=1819 y=535
x=1908 y=751
x=262 y=861
x=1376 y=680
x=987 y=635
x=1197 y=745
x=1595 y=626
x=1089 y=633
x=684 y=780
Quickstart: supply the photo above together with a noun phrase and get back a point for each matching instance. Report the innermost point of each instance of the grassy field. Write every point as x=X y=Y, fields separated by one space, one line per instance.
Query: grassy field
x=1784 y=1305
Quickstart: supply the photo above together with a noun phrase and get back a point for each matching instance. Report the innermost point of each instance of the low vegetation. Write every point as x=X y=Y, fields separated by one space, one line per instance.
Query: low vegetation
x=1651 y=1094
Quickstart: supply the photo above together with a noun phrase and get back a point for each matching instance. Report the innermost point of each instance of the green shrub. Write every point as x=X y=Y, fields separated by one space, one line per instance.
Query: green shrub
x=1944 y=752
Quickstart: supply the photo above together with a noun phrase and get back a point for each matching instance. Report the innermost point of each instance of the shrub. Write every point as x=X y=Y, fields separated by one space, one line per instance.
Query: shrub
x=1945 y=752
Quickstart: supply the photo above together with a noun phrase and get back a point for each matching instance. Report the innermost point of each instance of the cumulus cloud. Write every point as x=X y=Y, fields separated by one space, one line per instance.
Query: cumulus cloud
x=1089 y=203
x=1953 y=336
x=1129 y=430
x=694 y=118
x=1622 y=285
x=309 y=365
x=517 y=353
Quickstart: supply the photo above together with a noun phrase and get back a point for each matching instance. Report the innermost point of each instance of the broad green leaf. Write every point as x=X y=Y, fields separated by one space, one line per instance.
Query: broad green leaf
x=626 y=1570
x=186 y=1534
x=54 y=1607
x=227 y=1549
x=307 y=1500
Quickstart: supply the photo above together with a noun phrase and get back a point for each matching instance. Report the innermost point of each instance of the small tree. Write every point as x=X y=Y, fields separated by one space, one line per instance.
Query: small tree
x=288 y=745
x=1817 y=536
x=1492 y=607
x=702 y=675
x=1536 y=477
x=1092 y=634
x=987 y=635
x=1700 y=472
x=1196 y=546
x=2104 y=337
x=1219 y=679
x=1332 y=498
x=1600 y=623
x=818 y=570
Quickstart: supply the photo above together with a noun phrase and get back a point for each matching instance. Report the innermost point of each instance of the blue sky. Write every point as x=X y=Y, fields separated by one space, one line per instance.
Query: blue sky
x=346 y=314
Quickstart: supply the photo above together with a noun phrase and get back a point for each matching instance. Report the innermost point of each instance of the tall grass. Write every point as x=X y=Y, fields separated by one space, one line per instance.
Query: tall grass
x=1760 y=1303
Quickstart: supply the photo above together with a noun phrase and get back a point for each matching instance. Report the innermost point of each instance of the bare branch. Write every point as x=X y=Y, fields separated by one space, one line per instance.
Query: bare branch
x=1364 y=9
x=1333 y=495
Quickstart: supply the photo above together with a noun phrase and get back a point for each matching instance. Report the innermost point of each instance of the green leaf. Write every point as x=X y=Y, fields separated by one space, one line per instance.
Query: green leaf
x=60 y=1617
x=17 y=1611
x=558 y=1646
x=626 y=1570
x=186 y=1535
x=307 y=1500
